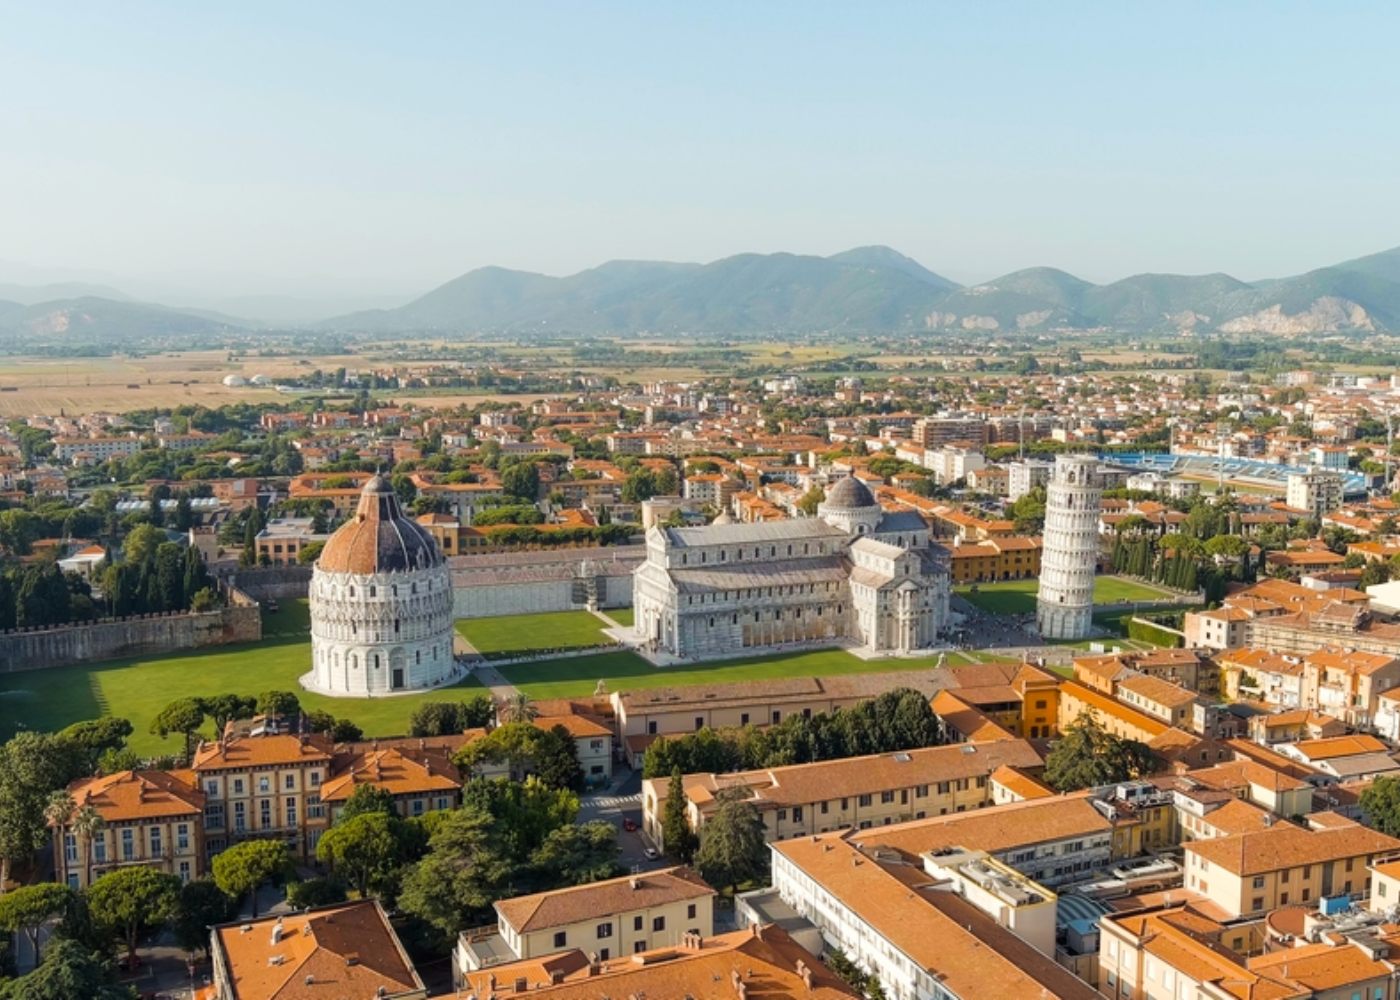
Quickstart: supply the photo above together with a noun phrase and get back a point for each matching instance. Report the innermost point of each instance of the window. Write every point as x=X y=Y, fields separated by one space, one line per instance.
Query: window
x=658 y=923
x=184 y=871
x=1259 y=881
x=651 y=728
x=264 y=813
x=1256 y=904
x=70 y=848
x=886 y=797
x=560 y=939
x=604 y=931
x=699 y=722
x=155 y=841
x=636 y=923
x=291 y=810
x=182 y=837
x=289 y=782
x=690 y=912
x=128 y=845
x=237 y=786
x=264 y=784
x=797 y=814
x=863 y=800
x=99 y=850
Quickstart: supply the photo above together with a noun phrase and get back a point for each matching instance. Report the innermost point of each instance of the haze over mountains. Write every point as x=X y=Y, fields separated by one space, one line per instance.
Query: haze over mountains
x=868 y=289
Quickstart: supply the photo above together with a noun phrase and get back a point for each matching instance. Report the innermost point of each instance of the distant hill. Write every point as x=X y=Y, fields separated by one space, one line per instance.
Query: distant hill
x=876 y=288
x=28 y=295
x=93 y=319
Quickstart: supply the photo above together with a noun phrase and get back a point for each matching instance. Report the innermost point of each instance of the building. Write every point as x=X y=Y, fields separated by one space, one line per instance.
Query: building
x=612 y=918
x=417 y=773
x=1012 y=558
x=1065 y=602
x=1024 y=476
x=758 y=963
x=1316 y=491
x=151 y=818
x=1249 y=874
x=381 y=604
x=861 y=792
x=852 y=574
x=346 y=950
x=914 y=920
x=266 y=786
x=282 y=540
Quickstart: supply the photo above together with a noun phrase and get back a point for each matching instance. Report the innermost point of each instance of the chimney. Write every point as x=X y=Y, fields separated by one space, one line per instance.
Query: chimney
x=520 y=984
x=634 y=882
x=277 y=931
x=556 y=976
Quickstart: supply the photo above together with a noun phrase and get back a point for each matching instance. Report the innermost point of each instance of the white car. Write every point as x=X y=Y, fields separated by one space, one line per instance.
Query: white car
x=651 y=854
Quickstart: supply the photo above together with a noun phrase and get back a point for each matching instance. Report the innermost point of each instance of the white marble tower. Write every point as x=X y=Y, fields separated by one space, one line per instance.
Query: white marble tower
x=1065 y=604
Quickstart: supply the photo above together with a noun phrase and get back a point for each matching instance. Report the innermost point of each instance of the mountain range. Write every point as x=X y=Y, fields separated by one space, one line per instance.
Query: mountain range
x=868 y=289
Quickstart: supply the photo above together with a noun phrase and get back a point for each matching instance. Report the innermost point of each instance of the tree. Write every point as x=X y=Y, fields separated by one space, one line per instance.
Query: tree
x=201 y=905
x=1087 y=755
x=366 y=799
x=733 y=848
x=141 y=543
x=576 y=855
x=518 y=708
x=183 y=716
x=463 y=873
x=240 y=869
x=679 y=838
x=283 y=703
x=447 y=718
x=556 y=760
x=316 y=892
x=225 y=708
x=86 y=823
x=94 y=736
x=26 y=909
x=810 y=501
x=126 y=900
x=366 y=850
x=69 y=970
x=1380 y=802
x=521 y=480
x=32 y=765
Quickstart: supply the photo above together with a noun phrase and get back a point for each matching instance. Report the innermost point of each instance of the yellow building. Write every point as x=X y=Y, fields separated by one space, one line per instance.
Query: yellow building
x=860 y=792
x=612 y=918
x=1249 y=874
x=997 y=558
x=150 y=818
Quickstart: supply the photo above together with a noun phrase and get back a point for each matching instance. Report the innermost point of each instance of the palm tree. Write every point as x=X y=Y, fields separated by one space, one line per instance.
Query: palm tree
x=519 y=708
x=58 y=810
x=87 y=824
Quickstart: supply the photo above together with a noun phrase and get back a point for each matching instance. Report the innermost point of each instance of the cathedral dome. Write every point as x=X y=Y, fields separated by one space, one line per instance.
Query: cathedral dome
x=379 y=538
x=849 y=494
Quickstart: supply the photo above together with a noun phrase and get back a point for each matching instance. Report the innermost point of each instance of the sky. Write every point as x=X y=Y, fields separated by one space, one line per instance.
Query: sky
x=380 y=148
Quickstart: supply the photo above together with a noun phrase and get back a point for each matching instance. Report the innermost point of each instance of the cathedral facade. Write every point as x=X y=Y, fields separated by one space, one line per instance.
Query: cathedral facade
x=381 y=605
x=853 y=574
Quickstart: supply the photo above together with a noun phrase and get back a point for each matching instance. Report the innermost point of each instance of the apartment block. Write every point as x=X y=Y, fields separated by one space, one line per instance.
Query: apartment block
x=857 y=792
x=609 y=919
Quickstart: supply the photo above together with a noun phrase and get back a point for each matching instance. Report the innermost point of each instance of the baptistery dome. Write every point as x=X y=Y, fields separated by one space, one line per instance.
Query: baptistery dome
x=381 y=604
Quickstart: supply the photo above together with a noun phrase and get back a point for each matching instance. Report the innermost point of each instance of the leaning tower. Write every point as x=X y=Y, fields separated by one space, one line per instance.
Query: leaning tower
x=1065 y=604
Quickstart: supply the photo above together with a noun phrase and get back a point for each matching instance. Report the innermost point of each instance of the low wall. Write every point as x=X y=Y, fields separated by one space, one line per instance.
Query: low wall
x=139 y=635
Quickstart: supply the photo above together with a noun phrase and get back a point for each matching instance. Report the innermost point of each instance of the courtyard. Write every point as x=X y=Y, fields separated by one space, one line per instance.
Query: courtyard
x=516 y=635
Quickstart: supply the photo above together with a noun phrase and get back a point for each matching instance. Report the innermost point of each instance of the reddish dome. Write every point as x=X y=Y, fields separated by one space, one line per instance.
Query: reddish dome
x=379 y=538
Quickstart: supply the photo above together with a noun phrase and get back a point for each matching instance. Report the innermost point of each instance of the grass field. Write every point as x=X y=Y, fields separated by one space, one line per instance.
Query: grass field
x=623 y=616
x=577 y=676
x=510 y=634
x=1017 y=597
x=137 y=689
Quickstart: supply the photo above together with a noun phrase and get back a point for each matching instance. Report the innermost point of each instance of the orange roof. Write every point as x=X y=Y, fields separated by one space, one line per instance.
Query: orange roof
x=137 y=795
x=597 y=900
x=1284 y=845
x=395 y=770
x=1339 y=746
x=248 y=752
x=349 y=950
x=579 y=726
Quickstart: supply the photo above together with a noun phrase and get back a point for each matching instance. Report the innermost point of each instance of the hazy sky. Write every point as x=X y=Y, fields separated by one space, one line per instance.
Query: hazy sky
x=388 y=147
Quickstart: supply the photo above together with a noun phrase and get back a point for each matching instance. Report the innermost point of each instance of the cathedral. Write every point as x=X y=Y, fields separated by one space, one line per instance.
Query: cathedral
x=855 y=573
x=381 y=604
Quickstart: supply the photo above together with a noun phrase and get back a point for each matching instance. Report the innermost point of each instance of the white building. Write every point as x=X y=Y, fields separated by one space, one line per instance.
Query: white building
x=952 y=463
x=1316 y=492
x=1022 y=477
x=853 y=573
x=381 y=604
x=1065 y=603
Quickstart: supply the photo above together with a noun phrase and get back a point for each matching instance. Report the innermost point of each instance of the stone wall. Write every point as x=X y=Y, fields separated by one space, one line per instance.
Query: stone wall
x=281 y=583
x=139 y=635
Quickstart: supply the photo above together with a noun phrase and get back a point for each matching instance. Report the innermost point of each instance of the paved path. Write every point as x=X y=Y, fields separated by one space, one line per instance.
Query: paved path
x=501 y=689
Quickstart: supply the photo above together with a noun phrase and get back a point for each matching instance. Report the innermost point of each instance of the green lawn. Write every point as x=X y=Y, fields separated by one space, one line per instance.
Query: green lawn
x=1017 y=597
x=138 y=688
x=513 y=634
x=621 y=671
x=623 y=616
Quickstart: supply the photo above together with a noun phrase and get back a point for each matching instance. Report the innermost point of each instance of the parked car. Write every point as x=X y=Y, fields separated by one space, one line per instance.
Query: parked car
x=630 y=825
x=651 y=854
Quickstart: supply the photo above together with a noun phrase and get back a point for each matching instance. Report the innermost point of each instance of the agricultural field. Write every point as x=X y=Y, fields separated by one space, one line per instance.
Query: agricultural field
x=510 y=635
x=137 y=689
